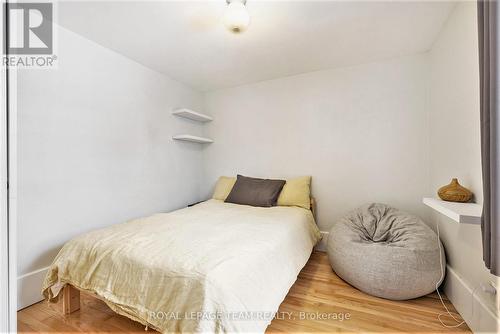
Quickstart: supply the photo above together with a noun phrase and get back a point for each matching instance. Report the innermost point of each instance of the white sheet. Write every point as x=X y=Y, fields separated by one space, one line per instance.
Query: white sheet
x=214 y=267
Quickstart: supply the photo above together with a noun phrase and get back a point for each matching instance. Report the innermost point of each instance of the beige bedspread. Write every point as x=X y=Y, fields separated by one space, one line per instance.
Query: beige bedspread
x=214 y=267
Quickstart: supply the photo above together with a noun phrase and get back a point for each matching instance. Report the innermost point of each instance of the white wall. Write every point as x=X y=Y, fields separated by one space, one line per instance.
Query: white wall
x=455 y=152
x=95 y=149
x=361 y=132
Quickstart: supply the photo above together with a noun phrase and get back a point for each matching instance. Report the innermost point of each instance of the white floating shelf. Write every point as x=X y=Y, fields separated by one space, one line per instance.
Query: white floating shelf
x=193 y=139
x=463 y=213
x=195 y=116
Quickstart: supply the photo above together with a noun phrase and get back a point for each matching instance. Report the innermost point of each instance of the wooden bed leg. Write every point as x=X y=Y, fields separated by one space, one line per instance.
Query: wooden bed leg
x=70 y=299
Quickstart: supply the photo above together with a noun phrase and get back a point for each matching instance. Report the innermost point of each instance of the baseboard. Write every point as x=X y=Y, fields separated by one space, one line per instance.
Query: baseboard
x=29 y=288
x=471 y=303
x=321 y=246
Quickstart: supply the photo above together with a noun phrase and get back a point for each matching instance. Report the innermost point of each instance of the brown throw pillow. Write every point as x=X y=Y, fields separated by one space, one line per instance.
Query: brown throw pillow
x=255 y=192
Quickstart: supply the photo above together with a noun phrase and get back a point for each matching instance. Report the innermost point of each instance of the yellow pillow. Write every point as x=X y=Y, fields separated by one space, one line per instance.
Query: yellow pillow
x=296 y=192
x=223 y=187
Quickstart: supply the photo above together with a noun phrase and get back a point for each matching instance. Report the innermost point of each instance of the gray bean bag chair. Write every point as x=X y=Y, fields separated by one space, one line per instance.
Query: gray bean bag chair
x=386 y=253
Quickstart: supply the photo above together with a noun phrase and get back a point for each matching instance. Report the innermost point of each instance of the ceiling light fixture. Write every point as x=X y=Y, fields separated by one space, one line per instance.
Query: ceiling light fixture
x=236 y=17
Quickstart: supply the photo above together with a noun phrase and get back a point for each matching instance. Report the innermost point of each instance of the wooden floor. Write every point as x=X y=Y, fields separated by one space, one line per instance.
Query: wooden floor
x=318 y=292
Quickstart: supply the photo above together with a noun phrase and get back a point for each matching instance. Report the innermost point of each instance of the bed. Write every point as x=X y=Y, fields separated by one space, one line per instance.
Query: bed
x=212 y=267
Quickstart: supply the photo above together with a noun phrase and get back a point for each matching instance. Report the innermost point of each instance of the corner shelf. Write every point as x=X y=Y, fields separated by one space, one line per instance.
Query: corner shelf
x=463 y=213
x=193 y=139
x=193 y=115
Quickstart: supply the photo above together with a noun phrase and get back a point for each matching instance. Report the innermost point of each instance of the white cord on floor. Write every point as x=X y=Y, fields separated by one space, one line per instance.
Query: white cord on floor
x=459 y=323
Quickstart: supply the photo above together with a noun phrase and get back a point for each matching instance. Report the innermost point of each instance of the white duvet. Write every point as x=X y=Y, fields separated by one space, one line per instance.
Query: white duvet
x=213 y=267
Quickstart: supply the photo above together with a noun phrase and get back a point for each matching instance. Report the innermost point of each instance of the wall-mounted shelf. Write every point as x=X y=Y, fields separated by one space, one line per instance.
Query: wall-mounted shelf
x=193 y=139
x=190 y=114
x=463 y=213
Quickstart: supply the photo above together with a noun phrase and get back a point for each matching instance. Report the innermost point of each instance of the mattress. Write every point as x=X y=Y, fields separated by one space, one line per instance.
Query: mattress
x=213 y=267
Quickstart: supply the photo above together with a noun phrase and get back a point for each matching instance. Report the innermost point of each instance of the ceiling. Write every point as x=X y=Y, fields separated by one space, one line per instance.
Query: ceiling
x=187 y=41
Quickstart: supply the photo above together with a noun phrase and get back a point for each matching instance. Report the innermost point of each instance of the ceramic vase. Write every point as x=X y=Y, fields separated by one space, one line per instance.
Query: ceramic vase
x=454 y=192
